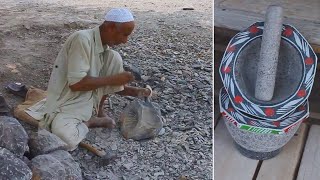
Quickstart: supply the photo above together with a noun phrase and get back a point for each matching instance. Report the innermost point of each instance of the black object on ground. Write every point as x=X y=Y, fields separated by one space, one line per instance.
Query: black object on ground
x=4 y=107
x=187 y=8
x=17 y=89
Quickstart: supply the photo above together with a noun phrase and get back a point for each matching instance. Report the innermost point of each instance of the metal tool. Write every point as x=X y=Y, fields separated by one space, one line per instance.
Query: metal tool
x=134 y=70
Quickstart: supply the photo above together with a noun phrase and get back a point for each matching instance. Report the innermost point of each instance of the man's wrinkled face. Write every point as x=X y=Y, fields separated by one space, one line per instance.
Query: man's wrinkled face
x=121 y=32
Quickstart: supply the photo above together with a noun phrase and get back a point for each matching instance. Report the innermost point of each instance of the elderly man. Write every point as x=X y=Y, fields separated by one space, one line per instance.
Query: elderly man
x=84 y=73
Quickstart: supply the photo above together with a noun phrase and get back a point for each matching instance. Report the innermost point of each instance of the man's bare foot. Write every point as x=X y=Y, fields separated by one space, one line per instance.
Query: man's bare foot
x=101 y=113
x=101 y=122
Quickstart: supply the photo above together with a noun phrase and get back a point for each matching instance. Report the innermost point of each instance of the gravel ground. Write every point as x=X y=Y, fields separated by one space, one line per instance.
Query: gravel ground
x=173 y=49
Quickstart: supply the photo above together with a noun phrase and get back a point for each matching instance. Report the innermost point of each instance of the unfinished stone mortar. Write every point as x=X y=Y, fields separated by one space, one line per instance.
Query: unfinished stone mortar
x=141 y=120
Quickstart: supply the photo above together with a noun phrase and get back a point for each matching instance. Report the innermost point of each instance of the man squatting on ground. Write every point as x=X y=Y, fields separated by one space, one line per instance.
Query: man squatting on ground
x=84 y=73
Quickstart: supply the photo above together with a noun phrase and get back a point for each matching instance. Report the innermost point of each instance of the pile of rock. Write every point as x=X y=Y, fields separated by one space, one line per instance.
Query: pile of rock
x=40 y=155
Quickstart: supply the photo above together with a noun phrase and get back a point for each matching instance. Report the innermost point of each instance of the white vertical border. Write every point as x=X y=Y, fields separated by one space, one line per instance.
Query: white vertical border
x=213 y=98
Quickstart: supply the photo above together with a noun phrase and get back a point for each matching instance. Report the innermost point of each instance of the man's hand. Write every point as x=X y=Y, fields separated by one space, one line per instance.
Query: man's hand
x=121 y=79
x=136 y=91
x=146 y=92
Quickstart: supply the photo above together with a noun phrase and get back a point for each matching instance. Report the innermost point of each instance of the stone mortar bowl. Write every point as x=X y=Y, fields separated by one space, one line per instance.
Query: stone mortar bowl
x=258 y=138
x=294 y=79
x=259 y=146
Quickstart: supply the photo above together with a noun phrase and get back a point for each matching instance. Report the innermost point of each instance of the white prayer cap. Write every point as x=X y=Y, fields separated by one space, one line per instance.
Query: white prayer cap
x=119 y=15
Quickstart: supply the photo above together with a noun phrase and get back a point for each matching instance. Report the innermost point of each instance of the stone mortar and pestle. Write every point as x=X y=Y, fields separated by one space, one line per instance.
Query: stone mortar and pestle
x=268 y=72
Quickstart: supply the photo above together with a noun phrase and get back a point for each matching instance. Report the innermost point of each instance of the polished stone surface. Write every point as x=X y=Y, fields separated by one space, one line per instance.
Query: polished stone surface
x=268 y=61
x=289 y=72
x=259 y=142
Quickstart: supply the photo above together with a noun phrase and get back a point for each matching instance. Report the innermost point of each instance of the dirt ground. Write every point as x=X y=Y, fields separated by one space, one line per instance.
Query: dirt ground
x=33 y=31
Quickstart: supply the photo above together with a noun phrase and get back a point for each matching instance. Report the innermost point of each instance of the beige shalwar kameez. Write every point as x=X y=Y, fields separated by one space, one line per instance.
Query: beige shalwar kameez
x=64 y=111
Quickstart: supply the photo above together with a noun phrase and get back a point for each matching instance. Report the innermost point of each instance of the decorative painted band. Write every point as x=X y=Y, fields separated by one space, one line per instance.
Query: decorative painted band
x=243 y=118
x=261 y=130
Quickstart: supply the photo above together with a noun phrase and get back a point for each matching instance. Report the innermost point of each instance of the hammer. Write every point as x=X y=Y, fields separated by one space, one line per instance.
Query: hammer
x=134 y=70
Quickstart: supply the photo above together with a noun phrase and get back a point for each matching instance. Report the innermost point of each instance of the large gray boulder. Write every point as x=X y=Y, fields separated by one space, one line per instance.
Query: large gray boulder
x=26 y=160
x=13 y=136
x=46 y=167
x=12 y=167
x=72 y=168
x=44 y=142
x=55 y=166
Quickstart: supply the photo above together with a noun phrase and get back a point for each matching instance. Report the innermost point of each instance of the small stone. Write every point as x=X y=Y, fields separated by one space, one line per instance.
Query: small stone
x=111 y=175
x=11 y=167
x=72 y=25
x=190 y=87
x=162 y=131
x=108 y=158
x=168 y=129
x=176 y=166
x=175 y=134
x=128 y=165
x=169 y=108
x=162 y=79
x=161 y=173
x=197 y=66
x=114 y=147
x=189 y=73
x=87 y=157
x=160 y=154
x=164 y=120
x=179 y=72
x=182 y=178
x=103 y=173
x=13 y=137
x=89 y=177
x=134 y=157
x=27 y=26
x=145 y=78
x=208 y=69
